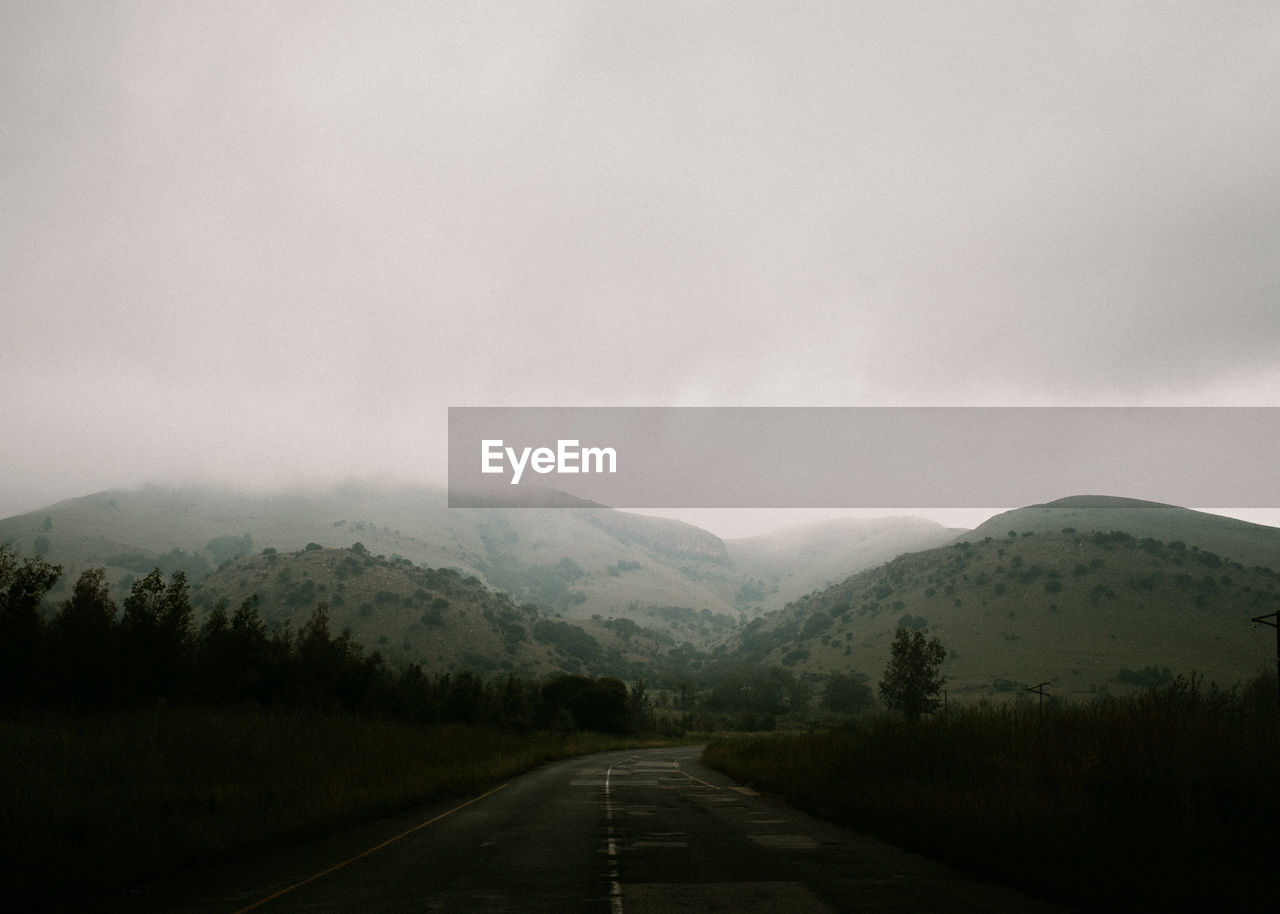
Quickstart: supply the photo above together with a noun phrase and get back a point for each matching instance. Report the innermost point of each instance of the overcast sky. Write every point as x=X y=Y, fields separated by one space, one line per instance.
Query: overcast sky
x=267 y=243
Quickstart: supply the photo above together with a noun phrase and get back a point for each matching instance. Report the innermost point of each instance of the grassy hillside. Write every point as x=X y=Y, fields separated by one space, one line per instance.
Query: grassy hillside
x=1249 y=544
x=612 y=593
x=1073 y=608
x=522 y=552
x=577 y=562
x=437 y=618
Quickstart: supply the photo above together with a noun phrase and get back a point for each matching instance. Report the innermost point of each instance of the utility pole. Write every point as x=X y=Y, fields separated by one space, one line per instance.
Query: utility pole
x=1039 y=690
x=1271 y=619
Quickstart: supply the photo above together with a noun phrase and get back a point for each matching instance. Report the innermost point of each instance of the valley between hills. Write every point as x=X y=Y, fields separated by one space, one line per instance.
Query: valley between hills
x=1090 y=595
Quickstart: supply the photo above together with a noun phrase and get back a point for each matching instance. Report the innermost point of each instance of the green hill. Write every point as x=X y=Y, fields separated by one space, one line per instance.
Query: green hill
x=1249 y=544
x=1043 y=593
x=437 y=618
x=578 y=562
x=1085 y=611
x=520 y=551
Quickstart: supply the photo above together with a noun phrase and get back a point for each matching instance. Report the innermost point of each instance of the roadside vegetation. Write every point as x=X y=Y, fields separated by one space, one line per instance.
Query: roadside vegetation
x=90 y=655
x=94 y=804
x=137 y=745
x=1164 y=801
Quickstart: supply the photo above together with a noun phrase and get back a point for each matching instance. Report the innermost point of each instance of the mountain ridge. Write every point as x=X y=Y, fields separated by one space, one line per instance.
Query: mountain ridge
x=1244 y=541
x=579 y=562
x=1072 y=591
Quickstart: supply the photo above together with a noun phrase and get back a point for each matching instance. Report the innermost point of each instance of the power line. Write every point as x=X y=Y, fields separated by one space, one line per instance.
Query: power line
x=1039 y=690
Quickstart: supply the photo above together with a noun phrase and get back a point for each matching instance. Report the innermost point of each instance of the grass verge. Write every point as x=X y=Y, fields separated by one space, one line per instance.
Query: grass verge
x=1166 y=802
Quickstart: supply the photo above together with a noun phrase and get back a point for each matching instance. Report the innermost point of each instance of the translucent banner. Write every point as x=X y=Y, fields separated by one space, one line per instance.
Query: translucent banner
x=860 y=457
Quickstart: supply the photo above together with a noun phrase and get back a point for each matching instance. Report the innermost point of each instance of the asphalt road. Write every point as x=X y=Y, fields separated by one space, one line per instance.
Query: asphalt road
x=650 y=830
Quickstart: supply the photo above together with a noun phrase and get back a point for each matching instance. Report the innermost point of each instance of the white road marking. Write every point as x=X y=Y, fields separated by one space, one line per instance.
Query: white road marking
x=794 y=842
x=337 y=866
x=739 y=897
x=692 y=778
x=615 y=886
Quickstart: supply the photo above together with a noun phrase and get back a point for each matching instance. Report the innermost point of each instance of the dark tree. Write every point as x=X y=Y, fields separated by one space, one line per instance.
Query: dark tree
x=23 y=586
x=156 y=635
x=234 y=661
x=845 y=693
x=317 y=663
x=82 y=643
x=639 y=709
x=465 y=702
x=591 y=704
x=751 y=688
x=912 y=679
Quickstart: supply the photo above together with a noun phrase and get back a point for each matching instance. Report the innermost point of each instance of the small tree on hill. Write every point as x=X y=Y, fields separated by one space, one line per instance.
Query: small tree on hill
x=912 y=679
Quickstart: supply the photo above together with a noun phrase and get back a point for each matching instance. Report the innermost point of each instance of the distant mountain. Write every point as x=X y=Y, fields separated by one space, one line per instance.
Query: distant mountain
x=1086 y=593
x=1250 y=544
x=792 y=562
x=1101 y=605
x=576 y=562
x=133 y=530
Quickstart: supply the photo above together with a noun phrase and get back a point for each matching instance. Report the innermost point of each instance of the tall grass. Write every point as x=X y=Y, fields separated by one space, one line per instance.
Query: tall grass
x=98 y=802
x=1170 y=800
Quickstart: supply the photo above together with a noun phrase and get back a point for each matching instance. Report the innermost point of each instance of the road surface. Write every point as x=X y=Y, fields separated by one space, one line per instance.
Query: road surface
x=650 y=830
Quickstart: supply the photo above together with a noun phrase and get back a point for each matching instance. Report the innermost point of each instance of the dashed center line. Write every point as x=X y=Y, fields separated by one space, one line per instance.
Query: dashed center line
x=615 y=885
x=795 y=842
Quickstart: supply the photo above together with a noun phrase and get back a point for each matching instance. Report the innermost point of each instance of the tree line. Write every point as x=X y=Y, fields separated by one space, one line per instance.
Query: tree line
x=90 y=654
